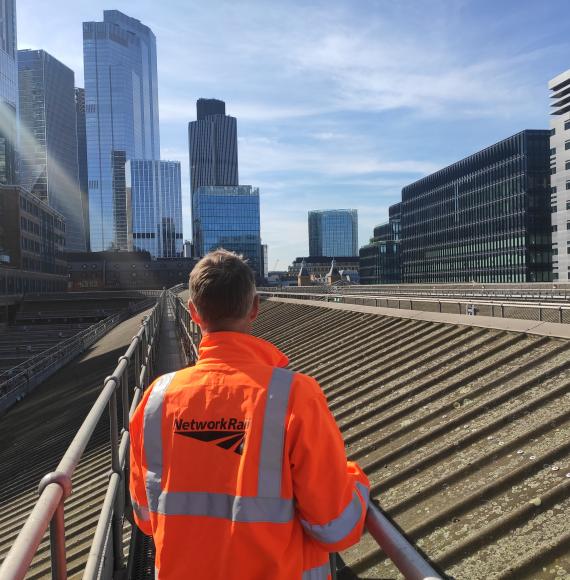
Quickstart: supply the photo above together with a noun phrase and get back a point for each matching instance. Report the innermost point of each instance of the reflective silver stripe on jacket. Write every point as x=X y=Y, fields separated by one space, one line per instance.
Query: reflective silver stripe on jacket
x=318 y=573
x=152 y=440
x=141 y=511
x=268 y=506
x=341 y=526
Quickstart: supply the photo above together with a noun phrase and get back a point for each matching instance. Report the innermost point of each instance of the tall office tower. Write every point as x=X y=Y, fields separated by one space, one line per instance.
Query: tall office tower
x=484 y=219
x=82 y=158
x=560 y=175
x=48 y=139
x=208 y=107
x=154 y=202
x=121 y=115
x=8 y=92
x=379 y=261
x=212 y=142
x=333 y=232
x=228 y=217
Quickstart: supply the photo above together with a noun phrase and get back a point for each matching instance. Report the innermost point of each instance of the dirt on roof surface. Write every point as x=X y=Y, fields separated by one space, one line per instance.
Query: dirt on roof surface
x=463 y=430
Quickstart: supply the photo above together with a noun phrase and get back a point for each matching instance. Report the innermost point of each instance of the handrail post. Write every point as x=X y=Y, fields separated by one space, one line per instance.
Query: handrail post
x=57 y=543
x=117 y=520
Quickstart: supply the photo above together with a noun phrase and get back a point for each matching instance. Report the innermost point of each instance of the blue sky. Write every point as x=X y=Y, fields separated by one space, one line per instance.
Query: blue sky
x=339 y=103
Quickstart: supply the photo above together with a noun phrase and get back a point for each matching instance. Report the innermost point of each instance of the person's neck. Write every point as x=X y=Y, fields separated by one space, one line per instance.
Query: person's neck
x=243 y=328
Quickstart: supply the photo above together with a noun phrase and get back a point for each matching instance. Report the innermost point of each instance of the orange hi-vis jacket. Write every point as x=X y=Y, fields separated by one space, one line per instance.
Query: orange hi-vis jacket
x=238 y=469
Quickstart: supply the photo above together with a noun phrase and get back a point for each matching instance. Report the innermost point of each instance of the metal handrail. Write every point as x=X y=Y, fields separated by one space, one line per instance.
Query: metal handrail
x=402 y=553
x=55 y=487
x=365 y=300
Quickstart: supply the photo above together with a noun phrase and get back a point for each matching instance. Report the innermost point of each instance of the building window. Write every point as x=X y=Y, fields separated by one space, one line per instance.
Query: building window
x=554 y=228
x=568 y=185
x=552 y=151
x=567 y=125
x=552 y=131
x=568 y=204
x=553 y=170
x=553 y=209
x=567 y=144
x=553 y=189
x=568 y=225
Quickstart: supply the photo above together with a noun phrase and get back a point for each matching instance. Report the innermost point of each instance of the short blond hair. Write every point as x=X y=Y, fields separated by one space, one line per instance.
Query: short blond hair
x=222 y=287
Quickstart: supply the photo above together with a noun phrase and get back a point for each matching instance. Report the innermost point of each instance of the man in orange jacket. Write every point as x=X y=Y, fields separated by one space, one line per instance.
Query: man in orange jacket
x=238 y=469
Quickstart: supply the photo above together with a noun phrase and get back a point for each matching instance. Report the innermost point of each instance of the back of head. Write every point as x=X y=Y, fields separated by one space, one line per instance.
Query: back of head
x=222 y=287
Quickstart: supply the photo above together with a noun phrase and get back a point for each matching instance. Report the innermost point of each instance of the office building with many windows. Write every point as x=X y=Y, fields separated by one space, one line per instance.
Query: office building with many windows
x=485 y=218
x=32 y=244
x=154 y=202
x=8 y=92
x=333 y=232
x=121 y=117
x=380 y=259
x=228 y=217
x=82 y=158
x=212 y=141
x=48 y=139
x=560 y=175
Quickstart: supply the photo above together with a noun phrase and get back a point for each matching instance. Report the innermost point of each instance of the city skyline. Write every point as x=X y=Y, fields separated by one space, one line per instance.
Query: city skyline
x=308 y=136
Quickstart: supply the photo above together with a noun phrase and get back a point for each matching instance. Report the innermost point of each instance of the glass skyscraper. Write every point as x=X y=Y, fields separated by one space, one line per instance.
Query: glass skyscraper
x=82 y=158
x=154 y=205
x=8 y=92
x=484 y=219
x=333 y=233
x=228 y=217
x=48 y=139
x=212 y=142
x=121 y=114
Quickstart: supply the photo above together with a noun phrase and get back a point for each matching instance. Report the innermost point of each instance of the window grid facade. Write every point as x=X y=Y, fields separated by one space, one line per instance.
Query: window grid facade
x=228 y=217
x=153 y=190
x=121 y=115
x=48 y=139
x=560 y=180
x=484 y=219
x=333 y=232
x=8 y=92
x=213 y=148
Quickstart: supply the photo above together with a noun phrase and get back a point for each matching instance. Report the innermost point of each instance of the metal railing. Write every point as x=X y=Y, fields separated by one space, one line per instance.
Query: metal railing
x=539 y=311
x=402 y=553
x=55 y=487
x=545 y=292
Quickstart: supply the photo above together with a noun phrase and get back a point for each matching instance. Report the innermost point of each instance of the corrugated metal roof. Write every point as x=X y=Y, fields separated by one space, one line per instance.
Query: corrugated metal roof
x=463 y=430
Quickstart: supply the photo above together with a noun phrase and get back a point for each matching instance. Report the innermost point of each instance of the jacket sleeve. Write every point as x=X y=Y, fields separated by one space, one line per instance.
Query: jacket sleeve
x=331 y=493
x=138 y=469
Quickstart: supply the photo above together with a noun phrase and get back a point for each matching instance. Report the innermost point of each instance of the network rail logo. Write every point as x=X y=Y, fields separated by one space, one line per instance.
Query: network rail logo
x=225 y=433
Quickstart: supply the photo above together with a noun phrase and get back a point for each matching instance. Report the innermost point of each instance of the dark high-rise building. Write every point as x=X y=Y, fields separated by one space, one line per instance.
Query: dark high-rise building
x=208 y=107
x=48 y=139
x=485 y=218
x=333 y=232
x=82 y=158
x=8 y=92
x=213 y=150
x=121 y=115
x=380 y=259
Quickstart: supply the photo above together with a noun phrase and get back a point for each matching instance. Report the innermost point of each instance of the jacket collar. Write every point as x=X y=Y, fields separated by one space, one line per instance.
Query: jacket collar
x=238 y=348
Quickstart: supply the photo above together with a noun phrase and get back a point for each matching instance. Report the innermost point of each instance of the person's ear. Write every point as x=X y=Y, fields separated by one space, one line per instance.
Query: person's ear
x=254 y=308
x=194 y=313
